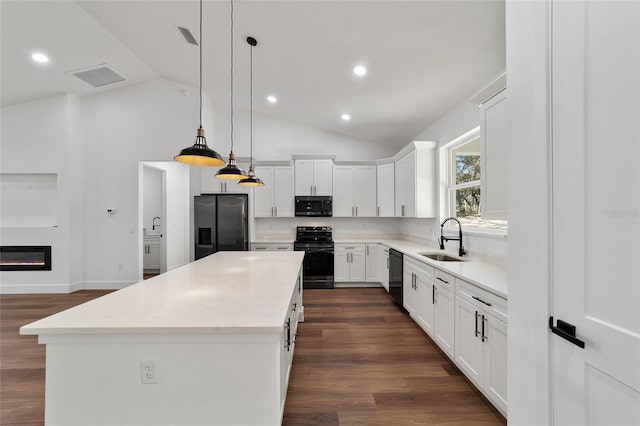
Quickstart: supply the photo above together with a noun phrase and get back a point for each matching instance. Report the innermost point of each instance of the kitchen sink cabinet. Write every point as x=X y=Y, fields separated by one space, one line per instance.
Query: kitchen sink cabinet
x=151 y=254
x=313 y=177
x=349 y=263
x=354 y=191
x=481 y=341
x=443 y=301
x=275 y=198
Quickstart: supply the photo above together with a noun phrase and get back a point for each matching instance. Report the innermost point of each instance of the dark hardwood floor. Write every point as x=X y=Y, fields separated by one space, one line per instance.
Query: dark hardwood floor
x=358 y=361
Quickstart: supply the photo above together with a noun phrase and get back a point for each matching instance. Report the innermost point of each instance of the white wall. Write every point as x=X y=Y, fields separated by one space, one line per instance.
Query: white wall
x=35 y=139
x=529 y=212
x=275 y=139
x=152 y=193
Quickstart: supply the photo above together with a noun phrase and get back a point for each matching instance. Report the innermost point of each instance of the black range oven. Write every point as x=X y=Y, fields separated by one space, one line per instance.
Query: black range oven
x=317 y=243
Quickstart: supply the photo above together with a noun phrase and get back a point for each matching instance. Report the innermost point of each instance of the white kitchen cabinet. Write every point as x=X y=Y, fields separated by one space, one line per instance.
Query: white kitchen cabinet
x=494 y=141
x=444 y=302
x=275 y=198
x=210 y=184
x=354 y=191
x=151 y=257
x=313 y=177
x=271 y=246
x=415 y=182
x=383 y=267
x=349 y=263
x=373 y=253
x=417 y=286
x=481 y=340
x=386 y=190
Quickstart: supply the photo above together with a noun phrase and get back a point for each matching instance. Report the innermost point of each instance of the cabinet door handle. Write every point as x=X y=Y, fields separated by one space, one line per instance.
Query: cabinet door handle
x=378 y=211
x=276 y=208
x=479 y=300
x=356 y=210
x=352 y=211
x=402 y=208
x=367 y=250
x=566 y=331
x=477 y=316
x=483 y=336
x=444 y=281
x=295 y=305
x=349 y=248
x=433 y=294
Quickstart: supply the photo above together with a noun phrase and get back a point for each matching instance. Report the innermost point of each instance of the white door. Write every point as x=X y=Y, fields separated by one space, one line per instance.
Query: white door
x=386 y=190
x=365 y=193
x=596 y=199
x=343 y=191
x=303 y=177
x=495 y=361
x=358 y=267
x=445 y=319
x=426 y=307
x=341 y=261
x=283 y=191
x=400 y=186
x=468 y=347
x=322 y=177
x=374 y=260
x=263 y=195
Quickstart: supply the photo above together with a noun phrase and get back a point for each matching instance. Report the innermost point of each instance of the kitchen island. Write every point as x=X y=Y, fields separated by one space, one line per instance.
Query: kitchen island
x=209 y=343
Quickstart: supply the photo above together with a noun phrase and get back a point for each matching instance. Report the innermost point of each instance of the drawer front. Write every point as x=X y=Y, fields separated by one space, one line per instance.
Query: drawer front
x=349 y=248
x=422 y=269
x=282 y=247
x=445 y=280
x=489 y=302
x=261 y=247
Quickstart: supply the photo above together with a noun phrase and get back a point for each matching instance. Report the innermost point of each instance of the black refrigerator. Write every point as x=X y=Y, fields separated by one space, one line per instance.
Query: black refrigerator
x=221 y=223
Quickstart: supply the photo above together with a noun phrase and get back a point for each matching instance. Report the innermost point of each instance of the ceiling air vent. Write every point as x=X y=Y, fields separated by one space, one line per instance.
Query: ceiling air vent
x=188 y=36
x=98 y=76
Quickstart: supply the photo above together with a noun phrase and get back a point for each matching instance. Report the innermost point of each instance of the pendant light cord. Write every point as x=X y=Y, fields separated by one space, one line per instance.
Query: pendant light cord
x=201 y=64
x=251 y=103
x=231 y=76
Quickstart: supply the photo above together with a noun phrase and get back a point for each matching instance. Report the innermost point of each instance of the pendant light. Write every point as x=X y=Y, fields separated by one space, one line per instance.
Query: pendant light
x=200 y=154
x=231 y=171
x=252 y=180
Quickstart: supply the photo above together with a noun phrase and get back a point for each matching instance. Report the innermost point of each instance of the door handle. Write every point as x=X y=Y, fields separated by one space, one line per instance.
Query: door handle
x=276 y=209
x=378 y=211
x=477 y=316
x=566 y=331
x=367 y=249
x=353 y=211
x=356 y=210
x=433 y=299
x=479 y=300
x=483 y=337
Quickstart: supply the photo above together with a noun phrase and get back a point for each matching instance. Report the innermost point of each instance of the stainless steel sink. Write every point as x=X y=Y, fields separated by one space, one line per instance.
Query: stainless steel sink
x=441 y=257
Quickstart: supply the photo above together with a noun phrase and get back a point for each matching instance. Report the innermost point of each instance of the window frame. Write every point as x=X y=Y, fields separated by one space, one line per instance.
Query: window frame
x=448 y=185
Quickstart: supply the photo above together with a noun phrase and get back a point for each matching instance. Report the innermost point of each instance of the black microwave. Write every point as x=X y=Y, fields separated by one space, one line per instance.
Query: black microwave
x=314 y=206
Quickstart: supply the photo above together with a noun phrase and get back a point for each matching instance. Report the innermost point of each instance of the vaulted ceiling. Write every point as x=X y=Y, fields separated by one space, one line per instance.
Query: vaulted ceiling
x=423 y=57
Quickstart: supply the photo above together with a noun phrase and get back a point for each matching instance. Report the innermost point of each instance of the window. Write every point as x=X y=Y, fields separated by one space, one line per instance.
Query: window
x=464 y=195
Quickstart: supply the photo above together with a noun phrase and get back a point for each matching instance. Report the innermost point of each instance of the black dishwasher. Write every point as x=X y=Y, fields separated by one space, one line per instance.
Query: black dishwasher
x=395 y=276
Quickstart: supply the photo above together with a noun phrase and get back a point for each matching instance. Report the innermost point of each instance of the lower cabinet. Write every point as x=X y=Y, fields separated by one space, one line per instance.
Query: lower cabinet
x=418 y=293
x=383 y=267
x=373 y=253
x=349 y=263
x=151 y=254
x=443 y=300
x=481 y=341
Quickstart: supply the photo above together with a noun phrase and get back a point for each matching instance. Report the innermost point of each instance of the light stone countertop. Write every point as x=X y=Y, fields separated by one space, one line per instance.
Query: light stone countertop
x=227 y=292
x=477 y=270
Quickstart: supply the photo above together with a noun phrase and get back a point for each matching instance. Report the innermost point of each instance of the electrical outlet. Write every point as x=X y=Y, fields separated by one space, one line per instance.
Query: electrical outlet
x=148 y=372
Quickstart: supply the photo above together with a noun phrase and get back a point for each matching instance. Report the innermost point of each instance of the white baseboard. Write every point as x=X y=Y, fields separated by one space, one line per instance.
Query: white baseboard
x=34 y=288
x=357 y=285
x=62 y=288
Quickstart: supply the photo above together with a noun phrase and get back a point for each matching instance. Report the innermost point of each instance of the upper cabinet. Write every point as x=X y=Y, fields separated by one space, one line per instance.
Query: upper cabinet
x=415 y=182
x=354 y=191
x=275 y=198
x=313 y=177
x=210 y=184
x=386 y=190
x=494 y=156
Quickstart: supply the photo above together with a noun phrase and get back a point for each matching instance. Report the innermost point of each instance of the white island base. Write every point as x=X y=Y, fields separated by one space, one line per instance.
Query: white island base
x=220 y=333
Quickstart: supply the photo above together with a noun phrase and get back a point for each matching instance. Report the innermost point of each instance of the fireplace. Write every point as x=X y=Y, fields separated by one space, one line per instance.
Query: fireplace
x=25 y=258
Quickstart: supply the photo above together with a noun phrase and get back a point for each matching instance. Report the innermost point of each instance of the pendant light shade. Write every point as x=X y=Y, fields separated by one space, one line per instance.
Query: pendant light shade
x=231 y=171
x=200 y=154
x=252 y=179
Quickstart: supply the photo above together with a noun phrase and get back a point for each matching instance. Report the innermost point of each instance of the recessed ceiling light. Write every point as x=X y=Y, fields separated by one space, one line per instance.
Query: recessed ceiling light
x=40 y=58
x=346 y=117
x=272 y=99
x=359 y=70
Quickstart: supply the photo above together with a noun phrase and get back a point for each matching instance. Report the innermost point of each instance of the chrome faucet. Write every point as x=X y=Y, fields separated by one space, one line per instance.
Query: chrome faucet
x=461 y=251
x=153 y=228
